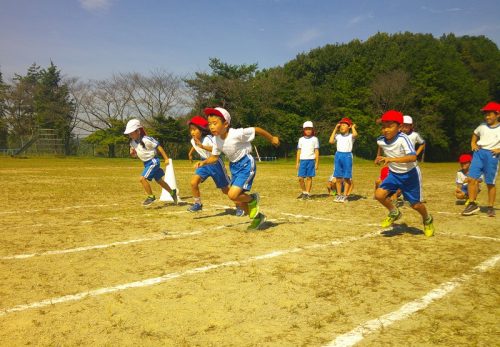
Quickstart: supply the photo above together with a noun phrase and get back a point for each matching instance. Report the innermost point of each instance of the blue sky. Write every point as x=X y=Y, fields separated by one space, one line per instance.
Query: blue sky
x=92 y=39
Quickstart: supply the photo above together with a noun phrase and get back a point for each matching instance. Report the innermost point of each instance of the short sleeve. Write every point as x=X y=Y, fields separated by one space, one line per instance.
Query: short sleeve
x=150 y=143
x=408 y=148
x=420 y=139
x=247 y=134
x=299 y=145
x=215 y=149
x=477 y=131
x=316 y=143
x=208 y=141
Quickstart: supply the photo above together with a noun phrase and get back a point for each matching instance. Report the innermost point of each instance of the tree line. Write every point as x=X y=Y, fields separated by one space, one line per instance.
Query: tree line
x=441 y=82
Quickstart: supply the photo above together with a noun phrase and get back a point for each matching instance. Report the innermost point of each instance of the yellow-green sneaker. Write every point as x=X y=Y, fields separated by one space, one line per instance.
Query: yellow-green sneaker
x=429 y=226
x=253 y=206
x=257 y=222
x=391 y=218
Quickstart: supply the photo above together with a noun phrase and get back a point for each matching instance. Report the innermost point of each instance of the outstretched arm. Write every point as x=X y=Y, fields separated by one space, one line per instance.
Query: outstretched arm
x=332 y=137
x=385 y=160
x=210 y=160
x=275 y=141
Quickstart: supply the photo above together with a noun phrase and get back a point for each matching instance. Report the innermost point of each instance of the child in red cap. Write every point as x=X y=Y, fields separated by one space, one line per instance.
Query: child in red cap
x=404 y=173
x=343 y=157
x=203 y=142
x=486 y=146
x=462 y=181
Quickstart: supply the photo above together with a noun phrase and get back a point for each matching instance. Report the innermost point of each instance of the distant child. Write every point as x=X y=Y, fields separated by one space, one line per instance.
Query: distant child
x=343 y=157
x=462 y=181
x=404 y=172
x=202 y=142
x=415 y=138
x=146 y=148
x=236 y=145
x=307 y=159
x=486 y=146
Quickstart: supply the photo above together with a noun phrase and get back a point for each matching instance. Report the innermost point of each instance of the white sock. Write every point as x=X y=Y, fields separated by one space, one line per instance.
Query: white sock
x=197 y=200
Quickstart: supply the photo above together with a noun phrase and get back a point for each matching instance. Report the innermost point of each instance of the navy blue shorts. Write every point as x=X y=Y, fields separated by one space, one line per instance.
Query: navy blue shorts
x=307 y=168
x=243 y=172
x=217 y=171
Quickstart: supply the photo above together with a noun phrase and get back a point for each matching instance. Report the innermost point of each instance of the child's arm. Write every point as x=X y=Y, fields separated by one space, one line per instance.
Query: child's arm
x=420 y=149
x=275 y=141
x=385 y=160
x=354 y=131
x=332 y=137
x=210 y=160
x=297 y=160
x=473 y=142
x=316 y=157
x=201 y=145
x=379 y=154
x=190 y=154
x=496 y=151
x=163 y=154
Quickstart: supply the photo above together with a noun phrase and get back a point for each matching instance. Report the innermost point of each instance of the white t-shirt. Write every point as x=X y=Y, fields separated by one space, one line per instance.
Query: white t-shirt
x=307 y=145
x=400 y=146
x=206 y=141
x=148 y=152
x=415 y=139
x=236 y=145
x=489 y=138
x=344 y=142
x=461 y=177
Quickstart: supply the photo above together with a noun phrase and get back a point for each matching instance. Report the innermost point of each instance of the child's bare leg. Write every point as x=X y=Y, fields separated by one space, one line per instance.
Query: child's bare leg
x=195 y=186
x=146 y=185
x=308 y=184
x=492 y=191
x=420 y=208
x=460 y=195
x=381 y=196
x=225 y=190
x=302 y=184
x=164 y=185
x=472 y=189
x=239 y=197
x=347 y=186
x=338 y=184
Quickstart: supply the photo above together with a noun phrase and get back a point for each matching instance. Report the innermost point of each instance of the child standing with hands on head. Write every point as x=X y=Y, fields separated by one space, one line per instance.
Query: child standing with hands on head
x=404 y=173
x=236 y=145
x=146 y=148
x=307 y=159
x=343 y=157
x=486 y=146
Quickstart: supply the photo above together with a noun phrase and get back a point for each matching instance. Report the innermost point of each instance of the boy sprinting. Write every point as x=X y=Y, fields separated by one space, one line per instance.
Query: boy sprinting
x=307 y=159
x=486 y=146
x=404 y=172
x=236 y=145
x=343 y=157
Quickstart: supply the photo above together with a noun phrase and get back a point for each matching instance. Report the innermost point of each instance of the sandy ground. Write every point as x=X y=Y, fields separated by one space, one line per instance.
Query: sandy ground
x=336 y=270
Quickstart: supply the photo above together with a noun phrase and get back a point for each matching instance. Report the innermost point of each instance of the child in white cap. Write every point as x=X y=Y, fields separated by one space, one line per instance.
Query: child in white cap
x=146 y=148
x=307 y=159
x=236 y=145
x=415 y=138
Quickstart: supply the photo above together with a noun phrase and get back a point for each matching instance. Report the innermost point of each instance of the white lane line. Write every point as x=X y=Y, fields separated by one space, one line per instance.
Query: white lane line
x=156 y=280
x=357 y=334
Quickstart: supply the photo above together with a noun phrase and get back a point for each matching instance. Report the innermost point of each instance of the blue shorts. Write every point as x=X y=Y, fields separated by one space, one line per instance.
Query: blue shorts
x=409 y=182
x=484 y=162
x=307 y=168
x=243 y=172
x=218 y=173
x=343 y=165
x=152 y=170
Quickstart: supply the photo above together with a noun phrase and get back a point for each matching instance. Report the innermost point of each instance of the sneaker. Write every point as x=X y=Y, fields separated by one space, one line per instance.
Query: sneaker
x=391 y=218
x=470 y=209
x=174 y=195
x=149 y=200
x=429 y=226
x=338 y=198
x=345 y=198
x=490 y=211
x=257 y=222
x=307 y=197
x=301 y=196
x=239 y=212
x=253 y=206
x=196 y=207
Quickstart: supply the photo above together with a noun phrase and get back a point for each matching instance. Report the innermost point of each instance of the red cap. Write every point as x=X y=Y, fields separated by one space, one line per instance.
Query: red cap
x=491 y=106
x=465 y=158
x=346 y=121
x=392 y=116
x=199 y=121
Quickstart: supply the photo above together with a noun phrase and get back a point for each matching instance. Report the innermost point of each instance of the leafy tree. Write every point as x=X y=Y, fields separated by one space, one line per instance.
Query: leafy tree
x=3 y=121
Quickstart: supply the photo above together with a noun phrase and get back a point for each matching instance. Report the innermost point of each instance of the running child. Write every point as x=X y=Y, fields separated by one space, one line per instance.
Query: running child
x=486 y=146
x=343 y=157
x=236 y=145
x=146 y=149
x=202 y=142
x=462 y=181
x=307 y=159
x=415 y=138
x=404 y=172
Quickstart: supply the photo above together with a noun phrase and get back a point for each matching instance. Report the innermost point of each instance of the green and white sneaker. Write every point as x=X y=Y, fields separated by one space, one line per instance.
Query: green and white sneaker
x=253 y=206
x=429 y=226
x=149 y=200
x=391 y=218
x=257 y=222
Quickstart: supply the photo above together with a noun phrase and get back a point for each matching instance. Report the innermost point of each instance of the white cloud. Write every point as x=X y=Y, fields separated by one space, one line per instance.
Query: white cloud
x=95 y=5
x=360 y=19
x=304 y=38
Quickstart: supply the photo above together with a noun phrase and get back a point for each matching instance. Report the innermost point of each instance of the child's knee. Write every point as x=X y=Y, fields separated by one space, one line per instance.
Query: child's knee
x=143 y=179
x=381 y=194
x=233 y=195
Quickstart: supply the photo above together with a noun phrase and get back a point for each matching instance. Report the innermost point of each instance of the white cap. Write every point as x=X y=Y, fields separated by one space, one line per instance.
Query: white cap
x=132 y=126
x=308 y=124
x=407 y=119
x=218 y=111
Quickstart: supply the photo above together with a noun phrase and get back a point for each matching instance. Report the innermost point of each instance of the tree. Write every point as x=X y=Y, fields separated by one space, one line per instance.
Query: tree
x=3 y=121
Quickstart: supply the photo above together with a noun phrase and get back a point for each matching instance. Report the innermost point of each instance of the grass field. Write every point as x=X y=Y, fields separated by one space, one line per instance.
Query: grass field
x=83 y=263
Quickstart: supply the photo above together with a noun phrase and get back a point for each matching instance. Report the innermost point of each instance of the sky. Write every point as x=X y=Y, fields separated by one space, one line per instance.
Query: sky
x=92 y=39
